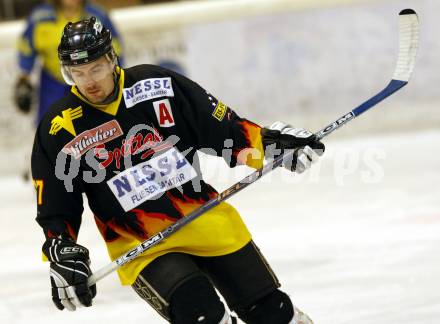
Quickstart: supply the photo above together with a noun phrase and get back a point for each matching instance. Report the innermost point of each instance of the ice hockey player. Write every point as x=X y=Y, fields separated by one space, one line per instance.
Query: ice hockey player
x=128 y=138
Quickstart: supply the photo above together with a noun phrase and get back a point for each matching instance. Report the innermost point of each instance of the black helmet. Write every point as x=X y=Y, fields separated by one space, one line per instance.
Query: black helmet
x=84 y=41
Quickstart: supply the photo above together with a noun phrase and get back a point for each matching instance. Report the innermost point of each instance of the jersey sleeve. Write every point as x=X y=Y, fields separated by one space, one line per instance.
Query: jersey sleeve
x=217 y=127
x=26 y=48
x=59 y=207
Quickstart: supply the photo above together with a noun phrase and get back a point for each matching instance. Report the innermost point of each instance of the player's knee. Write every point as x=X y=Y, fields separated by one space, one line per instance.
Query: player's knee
x=196 y=301
x=274 y=308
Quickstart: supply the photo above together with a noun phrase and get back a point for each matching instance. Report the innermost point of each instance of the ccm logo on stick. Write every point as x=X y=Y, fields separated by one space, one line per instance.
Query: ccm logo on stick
x=336 y=124
x=130 y=255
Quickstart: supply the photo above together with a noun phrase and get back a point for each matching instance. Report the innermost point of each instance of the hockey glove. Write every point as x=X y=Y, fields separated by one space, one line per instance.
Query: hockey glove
x=279 y=137
x=69 y=271
x=23 y=94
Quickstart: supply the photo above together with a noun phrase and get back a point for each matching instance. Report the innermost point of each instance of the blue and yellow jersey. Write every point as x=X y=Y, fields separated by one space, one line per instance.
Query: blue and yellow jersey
x=40 y=40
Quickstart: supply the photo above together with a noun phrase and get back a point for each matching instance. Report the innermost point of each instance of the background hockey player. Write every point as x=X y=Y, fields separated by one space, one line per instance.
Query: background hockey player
x=128 y=139
x=39 y=41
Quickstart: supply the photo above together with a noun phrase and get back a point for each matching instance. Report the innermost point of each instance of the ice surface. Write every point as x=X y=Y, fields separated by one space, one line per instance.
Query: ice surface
x=354 y=240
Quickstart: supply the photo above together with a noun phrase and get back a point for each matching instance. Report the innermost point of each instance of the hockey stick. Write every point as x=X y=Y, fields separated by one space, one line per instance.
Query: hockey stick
x=408 y=44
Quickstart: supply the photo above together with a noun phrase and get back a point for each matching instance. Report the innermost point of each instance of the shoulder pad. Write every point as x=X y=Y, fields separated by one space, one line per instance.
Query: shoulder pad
x=147 y=69
x=67 y=101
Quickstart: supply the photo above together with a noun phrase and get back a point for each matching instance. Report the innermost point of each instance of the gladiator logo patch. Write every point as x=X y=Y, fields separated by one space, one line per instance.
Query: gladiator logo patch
x=92 y=138
x=147 y=180
x=65 y=122
x=148 y=89
x=220 y=111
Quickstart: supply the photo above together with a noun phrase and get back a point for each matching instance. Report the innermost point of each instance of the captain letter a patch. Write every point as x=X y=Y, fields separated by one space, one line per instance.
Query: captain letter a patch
x=164 y=114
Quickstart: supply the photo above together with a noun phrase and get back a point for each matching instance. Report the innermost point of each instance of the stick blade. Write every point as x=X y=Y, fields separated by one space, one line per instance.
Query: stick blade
x=408 y=44
x=407 y=12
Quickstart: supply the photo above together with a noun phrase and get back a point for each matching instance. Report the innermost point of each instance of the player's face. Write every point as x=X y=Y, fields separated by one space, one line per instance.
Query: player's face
x=71 y=3
x=94 y=80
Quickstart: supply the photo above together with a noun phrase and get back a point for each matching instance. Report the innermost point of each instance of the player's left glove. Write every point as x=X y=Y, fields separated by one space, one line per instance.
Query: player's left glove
x=23 y=94
x=69 y=271
x=281 y=136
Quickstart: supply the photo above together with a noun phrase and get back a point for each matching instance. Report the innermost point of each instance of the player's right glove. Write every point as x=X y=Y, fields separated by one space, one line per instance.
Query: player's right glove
x=23 y=94
x=69 y=271
x=279 y=137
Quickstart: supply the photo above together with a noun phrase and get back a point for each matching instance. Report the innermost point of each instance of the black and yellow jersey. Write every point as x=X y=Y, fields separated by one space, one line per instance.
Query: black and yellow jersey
x=135 y=159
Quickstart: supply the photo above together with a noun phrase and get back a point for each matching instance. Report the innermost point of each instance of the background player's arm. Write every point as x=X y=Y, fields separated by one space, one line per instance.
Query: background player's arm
x=23 y=89
x=26 y=49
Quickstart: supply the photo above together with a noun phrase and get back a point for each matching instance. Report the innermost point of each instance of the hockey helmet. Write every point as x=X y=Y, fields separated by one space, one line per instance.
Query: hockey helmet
x=83 y=42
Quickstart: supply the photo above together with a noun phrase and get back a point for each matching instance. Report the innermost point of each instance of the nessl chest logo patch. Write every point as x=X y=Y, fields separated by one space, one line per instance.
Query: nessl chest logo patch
x=150 y=179
x=92 y=138
x=164 y=114
x=148 y=89
x=65 y=121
